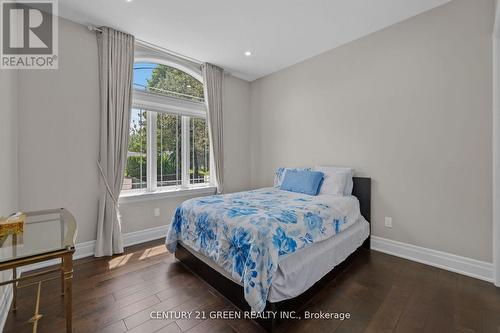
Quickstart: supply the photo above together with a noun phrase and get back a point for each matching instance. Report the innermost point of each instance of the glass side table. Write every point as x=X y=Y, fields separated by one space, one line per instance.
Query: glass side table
x=47 y=235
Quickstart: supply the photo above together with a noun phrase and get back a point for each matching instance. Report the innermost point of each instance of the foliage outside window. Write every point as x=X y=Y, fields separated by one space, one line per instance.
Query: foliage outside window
x=173 y=134
x=135 y=169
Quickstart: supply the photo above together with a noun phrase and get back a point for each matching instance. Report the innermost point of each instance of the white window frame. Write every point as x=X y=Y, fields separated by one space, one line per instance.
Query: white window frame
x=152 y=104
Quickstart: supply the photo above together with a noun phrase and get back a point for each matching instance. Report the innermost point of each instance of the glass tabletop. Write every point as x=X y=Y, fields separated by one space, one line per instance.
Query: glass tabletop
x=43 y=232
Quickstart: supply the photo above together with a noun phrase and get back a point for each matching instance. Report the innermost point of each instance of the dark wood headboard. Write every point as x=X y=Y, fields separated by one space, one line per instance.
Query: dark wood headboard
x=363 y=191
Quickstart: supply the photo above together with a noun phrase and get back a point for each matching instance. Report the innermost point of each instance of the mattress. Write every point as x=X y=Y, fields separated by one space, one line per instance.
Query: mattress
x=300 y=270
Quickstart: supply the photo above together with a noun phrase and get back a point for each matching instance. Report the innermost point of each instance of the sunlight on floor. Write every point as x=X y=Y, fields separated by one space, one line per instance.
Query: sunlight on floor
x=119 y=261
x=154 y=251
x=144 y=254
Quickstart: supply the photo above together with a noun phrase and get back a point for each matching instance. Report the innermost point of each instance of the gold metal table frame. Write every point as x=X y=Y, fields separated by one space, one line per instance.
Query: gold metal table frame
x=64 y=252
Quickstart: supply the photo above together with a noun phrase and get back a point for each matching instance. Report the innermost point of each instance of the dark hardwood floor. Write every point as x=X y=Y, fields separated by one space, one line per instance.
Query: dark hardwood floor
x=382 y=294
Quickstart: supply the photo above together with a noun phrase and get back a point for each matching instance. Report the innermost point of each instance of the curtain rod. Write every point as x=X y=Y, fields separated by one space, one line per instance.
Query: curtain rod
x=97 y=29
x=94 y=28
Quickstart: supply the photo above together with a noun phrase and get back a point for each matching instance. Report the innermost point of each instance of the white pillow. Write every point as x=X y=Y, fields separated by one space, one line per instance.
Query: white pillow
x=336 y=181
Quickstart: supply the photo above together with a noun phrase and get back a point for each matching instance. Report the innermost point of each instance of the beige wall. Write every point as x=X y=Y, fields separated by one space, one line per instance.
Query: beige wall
x=8 y=158
x=496 y=145
x=59 y=122
x=8 y=141
x=409 y=106
x=237 y=175
x=58 y=147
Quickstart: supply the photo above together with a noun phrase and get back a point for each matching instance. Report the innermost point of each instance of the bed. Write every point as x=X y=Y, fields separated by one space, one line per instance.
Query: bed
x=268 y=249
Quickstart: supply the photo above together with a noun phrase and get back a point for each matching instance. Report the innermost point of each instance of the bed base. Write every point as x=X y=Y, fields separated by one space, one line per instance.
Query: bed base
x=234 y=292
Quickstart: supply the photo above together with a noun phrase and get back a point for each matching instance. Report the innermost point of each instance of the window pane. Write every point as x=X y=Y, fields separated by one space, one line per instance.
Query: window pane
x=166 y=80
x=169 y=167
x=135 y=170
x=199 y=154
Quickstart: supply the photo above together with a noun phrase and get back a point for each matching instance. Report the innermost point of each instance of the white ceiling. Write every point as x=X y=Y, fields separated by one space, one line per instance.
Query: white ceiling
x=279 y=33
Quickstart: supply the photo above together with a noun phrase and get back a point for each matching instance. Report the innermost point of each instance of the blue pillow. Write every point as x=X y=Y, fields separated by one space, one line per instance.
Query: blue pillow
x=302 y=181
x=280 y=173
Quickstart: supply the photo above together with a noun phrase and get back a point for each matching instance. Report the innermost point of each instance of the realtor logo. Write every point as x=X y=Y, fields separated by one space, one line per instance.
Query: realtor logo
x=29 y=34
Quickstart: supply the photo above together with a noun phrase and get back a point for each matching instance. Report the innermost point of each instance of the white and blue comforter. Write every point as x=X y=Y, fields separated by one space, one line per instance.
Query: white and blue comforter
x=245 y=233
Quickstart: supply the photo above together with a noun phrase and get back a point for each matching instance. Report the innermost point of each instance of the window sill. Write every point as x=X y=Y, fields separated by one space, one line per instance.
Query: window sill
x=145 y=195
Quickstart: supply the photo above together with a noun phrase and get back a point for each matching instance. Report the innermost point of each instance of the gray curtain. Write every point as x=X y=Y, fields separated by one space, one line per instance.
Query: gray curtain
x=116 y=60
x=213 y=85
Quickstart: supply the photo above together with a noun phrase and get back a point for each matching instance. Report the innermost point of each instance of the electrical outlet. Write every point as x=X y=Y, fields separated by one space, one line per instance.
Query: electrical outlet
x=156 y=212
x=388 y=222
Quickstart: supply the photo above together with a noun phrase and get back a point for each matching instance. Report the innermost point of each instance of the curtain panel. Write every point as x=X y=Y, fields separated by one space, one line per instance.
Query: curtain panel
x=116 y=60
x=213 y=77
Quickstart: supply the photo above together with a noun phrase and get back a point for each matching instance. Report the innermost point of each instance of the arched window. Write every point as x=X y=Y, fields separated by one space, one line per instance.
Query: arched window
x=166 y=80
x=168 y=143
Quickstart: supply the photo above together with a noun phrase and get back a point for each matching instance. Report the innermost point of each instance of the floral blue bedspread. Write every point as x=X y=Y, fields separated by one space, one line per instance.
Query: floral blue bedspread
x=245 y=233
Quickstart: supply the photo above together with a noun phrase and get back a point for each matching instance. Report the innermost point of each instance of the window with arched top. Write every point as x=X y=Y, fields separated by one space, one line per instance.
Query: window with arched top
x=167 y=81
x=168 y=139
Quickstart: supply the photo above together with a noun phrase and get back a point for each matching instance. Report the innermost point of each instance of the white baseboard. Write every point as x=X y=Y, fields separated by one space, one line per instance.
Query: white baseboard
x=82 y=250
x=451 y=262
x=142 y=236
